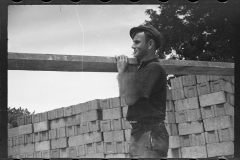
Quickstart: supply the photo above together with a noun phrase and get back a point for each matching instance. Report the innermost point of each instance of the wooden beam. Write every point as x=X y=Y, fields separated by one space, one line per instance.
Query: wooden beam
x=78 y=63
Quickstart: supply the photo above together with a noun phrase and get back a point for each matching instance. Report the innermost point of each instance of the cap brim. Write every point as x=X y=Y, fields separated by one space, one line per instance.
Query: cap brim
x=135 y=29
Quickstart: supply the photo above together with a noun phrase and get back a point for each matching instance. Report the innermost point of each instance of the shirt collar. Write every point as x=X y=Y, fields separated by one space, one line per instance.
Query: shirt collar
x=144 y=63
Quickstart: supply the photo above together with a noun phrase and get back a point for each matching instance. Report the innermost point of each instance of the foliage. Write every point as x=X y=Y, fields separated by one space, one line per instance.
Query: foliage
x=204 y=32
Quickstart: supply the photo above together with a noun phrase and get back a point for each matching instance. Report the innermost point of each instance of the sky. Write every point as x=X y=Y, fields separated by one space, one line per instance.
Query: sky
x=93 y=30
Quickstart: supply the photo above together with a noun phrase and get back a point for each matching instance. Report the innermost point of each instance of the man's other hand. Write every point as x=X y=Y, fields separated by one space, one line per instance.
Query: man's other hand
x=122 y=63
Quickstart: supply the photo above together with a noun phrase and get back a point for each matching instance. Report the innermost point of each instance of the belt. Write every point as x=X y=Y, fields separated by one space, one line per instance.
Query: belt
x=144 y=125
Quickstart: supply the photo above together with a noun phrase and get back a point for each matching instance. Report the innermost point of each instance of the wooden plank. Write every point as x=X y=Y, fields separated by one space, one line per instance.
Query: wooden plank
x=78 y=63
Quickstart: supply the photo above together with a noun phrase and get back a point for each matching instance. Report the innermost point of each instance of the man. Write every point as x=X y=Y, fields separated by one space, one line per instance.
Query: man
x=144 y=91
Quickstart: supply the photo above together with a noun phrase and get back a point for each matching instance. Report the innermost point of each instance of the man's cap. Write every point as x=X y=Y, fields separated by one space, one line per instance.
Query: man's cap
x=149 y=28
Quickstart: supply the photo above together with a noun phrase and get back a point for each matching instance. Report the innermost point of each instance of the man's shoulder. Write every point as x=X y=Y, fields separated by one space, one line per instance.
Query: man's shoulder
x=156 y=65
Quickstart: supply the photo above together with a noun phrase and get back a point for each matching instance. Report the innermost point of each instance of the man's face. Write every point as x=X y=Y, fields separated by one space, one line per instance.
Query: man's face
x=139 y=46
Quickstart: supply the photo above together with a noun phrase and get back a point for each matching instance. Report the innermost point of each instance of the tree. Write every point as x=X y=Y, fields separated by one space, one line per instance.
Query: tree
x=13 y=113
x=204 y=32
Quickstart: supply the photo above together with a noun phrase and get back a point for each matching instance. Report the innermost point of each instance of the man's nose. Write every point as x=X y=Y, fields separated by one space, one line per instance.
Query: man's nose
x=133 y=46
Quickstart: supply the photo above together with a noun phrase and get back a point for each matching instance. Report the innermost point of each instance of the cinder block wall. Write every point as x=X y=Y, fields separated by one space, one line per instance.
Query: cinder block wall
x=199 y=120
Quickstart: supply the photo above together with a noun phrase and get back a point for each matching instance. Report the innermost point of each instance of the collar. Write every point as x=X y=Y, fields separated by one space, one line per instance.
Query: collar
x=144 y=63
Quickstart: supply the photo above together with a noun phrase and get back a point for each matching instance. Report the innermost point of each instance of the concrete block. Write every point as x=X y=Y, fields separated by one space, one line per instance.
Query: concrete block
x=105 y=125
x=63 y=152
x=127 y=146
x=76 y=140
x=190 y=128
x=72 y=152
x=43 y=116
x=51 y=114
x=41 y=126
x=126 y=124
x=36 y=137
x=211 y=136
x=107 y=136
x=176 y=82
x=221 y=85
x=124 y=111
x=202 y=78
x=186 y=104
x=13 y=132
x=194 y=115
x=21 y=120
x=37 y=154
x=70 y=131
x=116 y=124
x=82 y=128
x=104 y=103
x=28 y=138
x=178 y=94
x=57 y=123
x=98 y=136
x=119 y=147
x=224 y=109
x=207 y=112
x=94 y=126
x=10 y=141
x=68 y=111
x=185 y=140
x=109 y=148
x=181 y=116
x=94 y=104
x=21 y=139
x=174 y=142
x=230 y=99
x=194 y=152
x=190 y=91
x=29 y=155
x=169 y=94
x=189 y=80
x=218 y=123
x=52 y=134
x=116 y=113
x=90 y=148
x=77 y=109
x=226 y=134
x=26 y=148
x=212 y=98
x=88 y=138
x=42 y=146
x=46 y=154
x=94 y=115
x=198 y=139
x=22 y=155
x=95 y=155
x=117 y=156
x=170 y=117
x=99 y=147
x=172 y=129
x=174 y=153
x=81 y=150
x=214 y=78
x=74 y=119
x=59 y=143
x=55 y=153
x=14 y=150
x=107 y=114
x=15 y=140
x=203 y=88
x=127 y=134
x=169 y=106
x=28 y=119
x=85 y=107
x=115 y=102
x=220 y=149
x=123 y=103
x=228 y=79
x=44 y=136
x=25 y=129
x=118 y=135
x=59 y=112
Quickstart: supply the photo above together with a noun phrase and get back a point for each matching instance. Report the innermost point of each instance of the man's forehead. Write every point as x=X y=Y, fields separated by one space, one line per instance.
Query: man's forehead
x=139 y=35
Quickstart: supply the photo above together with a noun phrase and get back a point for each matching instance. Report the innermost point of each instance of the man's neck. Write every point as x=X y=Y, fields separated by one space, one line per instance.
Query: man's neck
x=146 y=58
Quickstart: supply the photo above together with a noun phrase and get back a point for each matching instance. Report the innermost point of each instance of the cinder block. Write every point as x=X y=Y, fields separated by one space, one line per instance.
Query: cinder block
x=169 y=106
x=189 y=80
x=119 y=147
x=52 y=134
x=203 y=88
x=36 y=118
x=124 y=111
x=194 y=115
x=214 y=78
x=44 y=136
x=221 y=85
x=88 y=138
x=76 y=140
x=211 y=136
x=37 y=154
x=116 y=113
x=63 y=152
x=46 y=154
x=81 y=150
x=178 y=94
x=226 y=134
x=68 y=111
x=127 y=133
x=98 y=136
x=55 y=153
x=174 y=142
x=14 y=150
x=198 y=139
x=170 y=117
x=185 y=140
x=77 y=109
x=174 y=153
x=107 y=114
x=95 y=155
x=90 y=148
x=99 y=148
x=186 y=104
x=109 y=148
x=26 y=148
x=15 y=140
x=59 y=143
x=72 y=152
x=115 y=102
x=194 y=152
x=190 y=91
x=21 y=139
x=190 y=128
x=74 y=119
x=21 y=120
x=85 y=107
x=202 y=78
x=28 y=119
x=43 y=116
x=224 y=109
x=105 y=125
x=127 y=146
x=36 y=137
x=126 y=124
x=10 y=141
x=228 y=79
x=57 y=123
x=230 y=99
x=29 y=155
x=41 y=126
x=84 y=128
x=70 y=131
x=172 y=129
x=218 y=123
x=123 y=103
x=94 y=126
x=169 y=94
x=13 y=132
x=42 y=146
x=104 y=103
x=207 y=112
x=25 y=129
x=22 y=155
x=107 y=136
x=116 y=124
x=28 y=138
x=212 y=98
x=59 y=112
x=116 y=156
x=220 y=149
x=94 y=115
x=51 y=114
x=176 y=82
x=118 y=135
x=181 y=116
x=94 y=104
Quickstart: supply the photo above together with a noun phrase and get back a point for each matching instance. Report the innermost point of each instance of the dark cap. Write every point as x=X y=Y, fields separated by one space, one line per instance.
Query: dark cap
x=149 y=28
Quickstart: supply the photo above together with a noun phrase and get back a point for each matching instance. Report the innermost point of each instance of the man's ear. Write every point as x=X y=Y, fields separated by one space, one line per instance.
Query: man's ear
x=150 y=44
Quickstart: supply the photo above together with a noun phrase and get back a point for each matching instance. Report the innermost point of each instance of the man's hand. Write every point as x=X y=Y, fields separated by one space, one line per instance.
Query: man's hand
x=122 y=63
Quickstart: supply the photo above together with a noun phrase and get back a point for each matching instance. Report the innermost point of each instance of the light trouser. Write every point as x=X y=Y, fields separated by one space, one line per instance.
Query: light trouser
x=149 y=141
